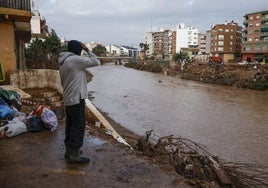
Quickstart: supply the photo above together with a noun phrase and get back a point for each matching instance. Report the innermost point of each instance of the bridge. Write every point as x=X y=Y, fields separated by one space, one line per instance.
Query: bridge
x=118 y=59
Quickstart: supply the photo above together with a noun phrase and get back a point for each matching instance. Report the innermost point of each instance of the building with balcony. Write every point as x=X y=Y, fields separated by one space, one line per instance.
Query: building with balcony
x=15 y=27
x=187 y=39
x=202 y=43
x=226 y=41
x=38 y=25
x=208 y=41
x=149 y=42
x=162 y=44
x=255 y=36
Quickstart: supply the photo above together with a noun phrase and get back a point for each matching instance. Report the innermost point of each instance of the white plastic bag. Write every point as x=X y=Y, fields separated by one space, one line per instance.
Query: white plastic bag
x=49 y=119
x=13 y=128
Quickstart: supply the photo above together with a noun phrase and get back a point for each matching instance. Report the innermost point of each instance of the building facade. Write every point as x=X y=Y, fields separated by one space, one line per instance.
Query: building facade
x=255 y=38
x=15 y=30
x=149 y=42
x=202 y=43
x=226 y=41
x=39 y=27
x=187 y=39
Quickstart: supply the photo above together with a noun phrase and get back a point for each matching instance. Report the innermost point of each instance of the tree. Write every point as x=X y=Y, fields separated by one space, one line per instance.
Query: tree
x=43 y=53
x=53 y=44
x=99 y=50
x=182 y=56
x=144 y=47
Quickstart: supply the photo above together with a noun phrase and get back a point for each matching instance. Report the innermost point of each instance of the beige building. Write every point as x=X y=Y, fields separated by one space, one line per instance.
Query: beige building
x=15 y=30
x=226 y=41
x=255 y=43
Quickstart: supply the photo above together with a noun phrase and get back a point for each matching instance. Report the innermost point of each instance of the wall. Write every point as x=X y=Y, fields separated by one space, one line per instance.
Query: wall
x=36 y=78
x=7 y=51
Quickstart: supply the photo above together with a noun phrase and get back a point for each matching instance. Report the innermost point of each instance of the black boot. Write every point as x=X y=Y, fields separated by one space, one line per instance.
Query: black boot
x=67 y=152
x=75 y=158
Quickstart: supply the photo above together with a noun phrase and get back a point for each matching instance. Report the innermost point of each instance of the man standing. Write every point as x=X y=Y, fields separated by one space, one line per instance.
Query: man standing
x=74 y=83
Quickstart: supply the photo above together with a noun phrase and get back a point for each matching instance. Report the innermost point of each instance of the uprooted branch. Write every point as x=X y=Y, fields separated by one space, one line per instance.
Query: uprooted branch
x=193 y=161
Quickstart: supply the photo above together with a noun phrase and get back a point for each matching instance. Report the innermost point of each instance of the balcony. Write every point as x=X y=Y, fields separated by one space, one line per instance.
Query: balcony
x=264 y=28
x=18 y=13
x=15 y=10
x=264 y=34
x=16 y=4
x=264 y=19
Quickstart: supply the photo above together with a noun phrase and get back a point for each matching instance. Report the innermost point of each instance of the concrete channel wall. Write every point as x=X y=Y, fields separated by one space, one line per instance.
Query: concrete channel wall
x=36 y=78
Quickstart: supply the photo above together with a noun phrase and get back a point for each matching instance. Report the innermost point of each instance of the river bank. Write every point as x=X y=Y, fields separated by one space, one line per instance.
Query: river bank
x=249 y=76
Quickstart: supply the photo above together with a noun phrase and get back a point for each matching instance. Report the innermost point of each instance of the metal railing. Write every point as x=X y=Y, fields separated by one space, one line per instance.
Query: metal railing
x=16 y=4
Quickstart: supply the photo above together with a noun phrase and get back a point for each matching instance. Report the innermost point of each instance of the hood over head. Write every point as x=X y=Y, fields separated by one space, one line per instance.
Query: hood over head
x=75 y=47
x=63 y=56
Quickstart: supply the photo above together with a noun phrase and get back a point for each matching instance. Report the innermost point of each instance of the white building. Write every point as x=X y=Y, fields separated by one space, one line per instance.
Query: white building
x=187 y=37
x=114 y=50
x=149 y=41
x=38 y=25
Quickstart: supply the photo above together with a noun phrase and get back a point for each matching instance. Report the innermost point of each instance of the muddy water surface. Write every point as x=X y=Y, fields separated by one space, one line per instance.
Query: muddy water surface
x=232 y=123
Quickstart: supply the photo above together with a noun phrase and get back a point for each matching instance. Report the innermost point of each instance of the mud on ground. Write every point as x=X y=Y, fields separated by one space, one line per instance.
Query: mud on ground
x=35 y=159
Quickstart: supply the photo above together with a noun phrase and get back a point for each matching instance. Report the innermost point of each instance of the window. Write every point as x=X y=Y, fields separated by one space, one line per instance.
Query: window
x=250 y=39
x=231 y=43
x=258 y=24
x=221 y=37
x=258 y=16
x=220 y=43
x=257 y=47
x=220 y=29
x=256 y=39
x=251 y=17
x=227 y=30
x=220 y=49
x=247 y=48
x=231 y=37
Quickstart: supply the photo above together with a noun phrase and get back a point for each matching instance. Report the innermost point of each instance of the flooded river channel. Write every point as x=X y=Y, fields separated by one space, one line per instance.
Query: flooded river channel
x=232 y=123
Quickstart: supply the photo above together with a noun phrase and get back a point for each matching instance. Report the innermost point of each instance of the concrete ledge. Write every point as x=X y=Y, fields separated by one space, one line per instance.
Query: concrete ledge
x=36 y=78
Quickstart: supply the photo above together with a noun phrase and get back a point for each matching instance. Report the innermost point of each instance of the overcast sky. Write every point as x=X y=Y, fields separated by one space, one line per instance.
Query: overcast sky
x=125 y=22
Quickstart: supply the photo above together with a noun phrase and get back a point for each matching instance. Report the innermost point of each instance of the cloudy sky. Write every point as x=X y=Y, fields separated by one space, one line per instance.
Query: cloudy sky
x=125 y=22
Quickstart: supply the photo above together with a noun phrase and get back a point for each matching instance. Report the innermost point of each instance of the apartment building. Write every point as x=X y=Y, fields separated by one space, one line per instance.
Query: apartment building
x=187 y=39
x=255 y=38
x=202 y=43
x=208 y=41
x=39 y=27
x=15 y=29
x=226 y=41
x=149 y=42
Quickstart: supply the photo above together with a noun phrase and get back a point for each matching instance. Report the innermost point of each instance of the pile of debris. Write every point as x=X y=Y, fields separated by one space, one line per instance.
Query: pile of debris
x=17 y=118
x=194 y=162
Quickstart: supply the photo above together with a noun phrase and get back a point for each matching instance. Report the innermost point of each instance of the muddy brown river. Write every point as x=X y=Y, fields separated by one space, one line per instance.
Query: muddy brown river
x=232 y=123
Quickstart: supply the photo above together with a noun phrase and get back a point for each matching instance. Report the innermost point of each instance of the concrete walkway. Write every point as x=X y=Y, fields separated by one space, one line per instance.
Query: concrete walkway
x=36 y=160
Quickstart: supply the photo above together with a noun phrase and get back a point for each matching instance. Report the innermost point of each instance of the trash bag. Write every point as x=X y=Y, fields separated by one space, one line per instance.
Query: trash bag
x=2 y=101
x=6 y=112
x=39 y=110
x=35 y=124
x=10 y=96
x=49 y=119
x=12 y=129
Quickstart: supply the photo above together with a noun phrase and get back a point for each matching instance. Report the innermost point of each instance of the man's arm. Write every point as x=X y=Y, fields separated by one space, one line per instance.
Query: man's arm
x=91 y=55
